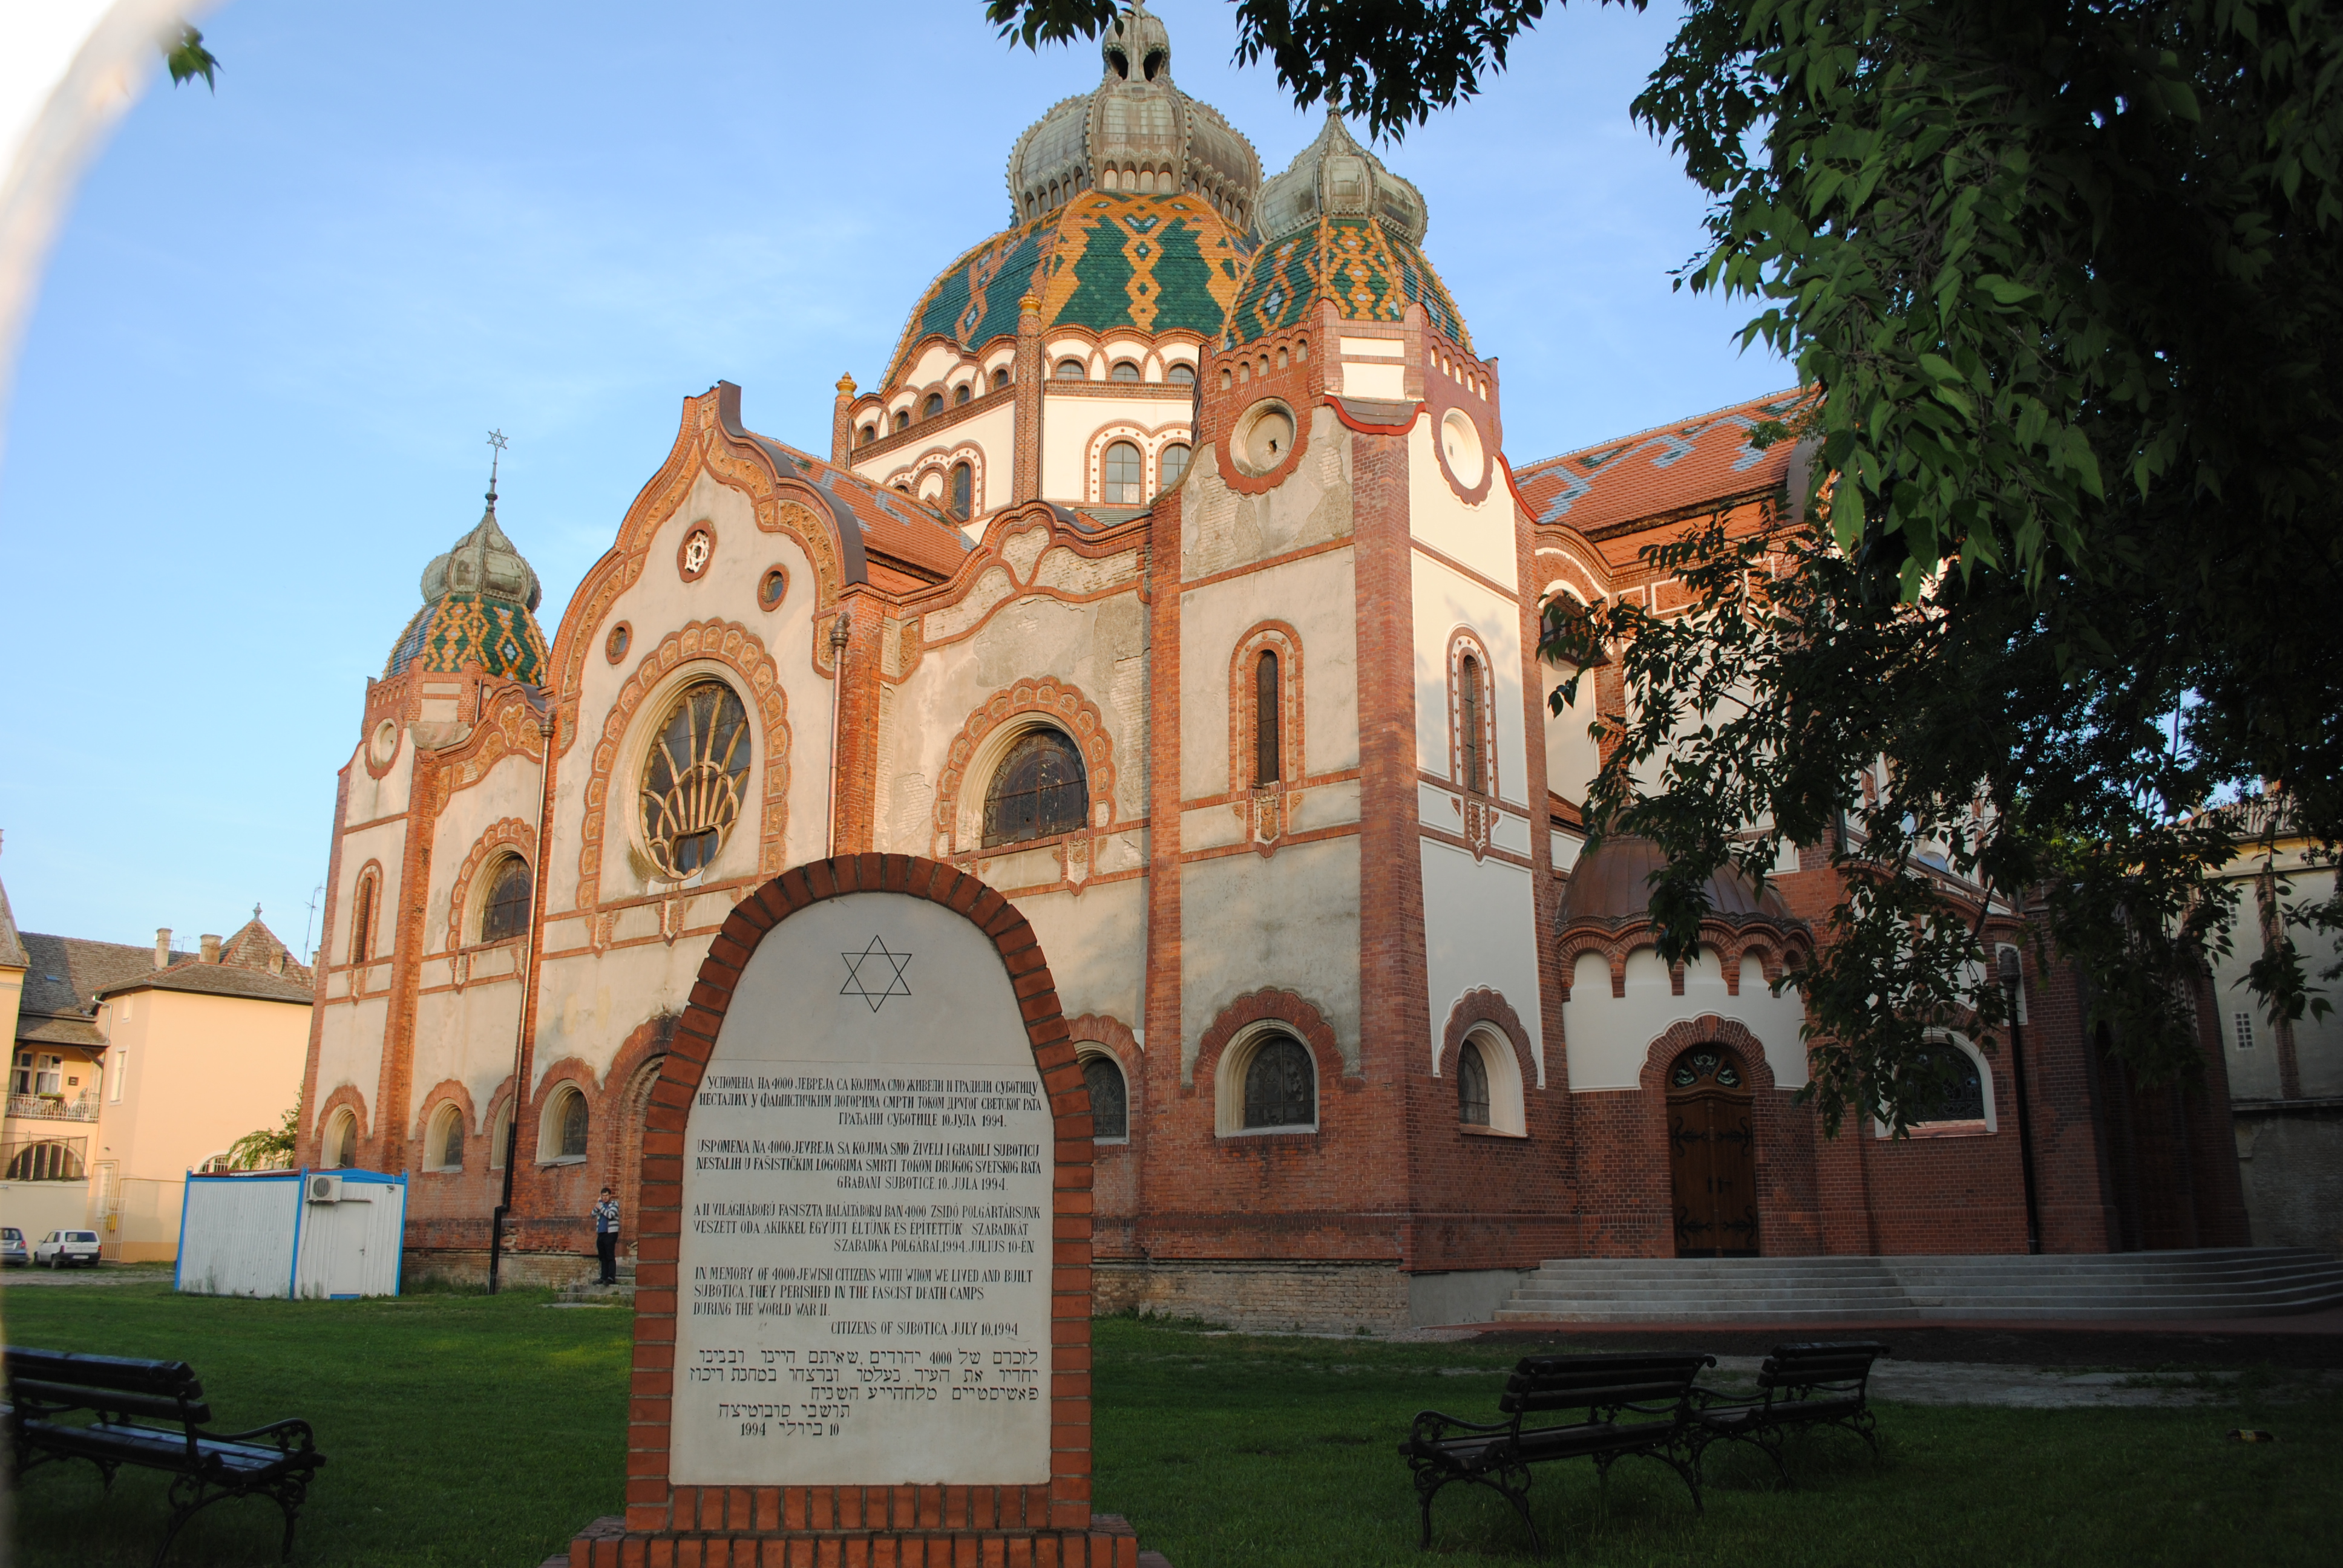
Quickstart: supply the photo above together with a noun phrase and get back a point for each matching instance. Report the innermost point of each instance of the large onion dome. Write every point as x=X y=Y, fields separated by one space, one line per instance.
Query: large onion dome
x=1339 y=225
x=476 y=599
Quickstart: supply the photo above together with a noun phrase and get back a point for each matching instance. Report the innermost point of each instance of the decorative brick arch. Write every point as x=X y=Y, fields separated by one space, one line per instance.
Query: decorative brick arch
x=366 y=903
x=503 y=833
x=347 y=1097
x=1062 y=1504
x=1262 y=1007
x=1481 y=1006
x=1063 y=705
x=1264 y=808
x=1706 y=1029
x=447 y=1091
x=1113 y=1037
x=734 y=646
x=1775 y=947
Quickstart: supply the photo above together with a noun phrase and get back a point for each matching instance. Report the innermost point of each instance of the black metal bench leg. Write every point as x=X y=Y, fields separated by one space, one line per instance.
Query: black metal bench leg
x=1519 y=1496
x=187 y=1500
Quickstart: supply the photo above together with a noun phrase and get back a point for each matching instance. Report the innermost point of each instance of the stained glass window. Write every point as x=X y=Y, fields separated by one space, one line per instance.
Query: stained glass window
x=1472 y=1086
x=505 y=913
x=1964 y=1095
x=1266 y=698
x=693 y=778
x=1280 y=1090
x=1040 y=790
x=963 y=487
x=1110 y=1102
x=1468 y=677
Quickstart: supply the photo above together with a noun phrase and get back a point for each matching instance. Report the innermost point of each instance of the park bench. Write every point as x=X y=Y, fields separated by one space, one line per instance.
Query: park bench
x=1622 y=1404
x=150 y=1415
x=1800 y=1387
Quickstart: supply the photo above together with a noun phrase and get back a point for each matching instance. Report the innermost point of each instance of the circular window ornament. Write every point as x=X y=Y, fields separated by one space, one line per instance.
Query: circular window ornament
x=771 y=587
x=383 y=744
x=693 y=778
x=1459 y=443
x=614 y=647
x=1264 y=436
x=698 y=550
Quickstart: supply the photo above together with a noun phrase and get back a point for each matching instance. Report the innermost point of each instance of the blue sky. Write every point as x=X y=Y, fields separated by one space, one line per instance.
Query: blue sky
x=252 y=401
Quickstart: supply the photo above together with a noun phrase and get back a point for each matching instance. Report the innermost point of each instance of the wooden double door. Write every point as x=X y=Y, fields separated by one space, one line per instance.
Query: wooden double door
x=1712 y=1154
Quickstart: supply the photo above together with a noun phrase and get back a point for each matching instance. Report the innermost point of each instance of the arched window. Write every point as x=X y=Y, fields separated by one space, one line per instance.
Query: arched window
x=1039 y=790
x=1119 y=485
x=339 y=1146
x=1123 y=370
x=1181 y=375
x=963 y=485
x=1109 y=1097
x=692 y=778
x=1281 y=1086
x=1468 y=724
x=218 y=1164
x=51 y=1159
x=960 y=394
x=933 y=407
x=445 y=1150
x=499 y=1130
x=870 y=433
x=1171 y=466
x=1962 y=1099
x=1266 y=754
x=902 y=418
x=1000 y=378
x=1472 y=1086
x=564 y=1136
x=505 y=912
x=1073 y=370
x=362 y=920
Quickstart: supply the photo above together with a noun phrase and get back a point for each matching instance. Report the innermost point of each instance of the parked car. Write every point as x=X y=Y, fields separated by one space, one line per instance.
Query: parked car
x=59 y=1248
x=12 y=1246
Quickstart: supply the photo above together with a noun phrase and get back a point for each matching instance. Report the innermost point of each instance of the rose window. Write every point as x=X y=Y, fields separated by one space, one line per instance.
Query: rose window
x=692 y=779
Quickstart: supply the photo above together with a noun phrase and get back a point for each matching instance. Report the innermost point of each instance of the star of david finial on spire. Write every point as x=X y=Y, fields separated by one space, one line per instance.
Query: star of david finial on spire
x=875 y=965
x=496 y=440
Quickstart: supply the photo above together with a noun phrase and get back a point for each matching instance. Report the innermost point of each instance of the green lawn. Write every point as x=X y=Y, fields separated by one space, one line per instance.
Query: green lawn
x=463 y=1430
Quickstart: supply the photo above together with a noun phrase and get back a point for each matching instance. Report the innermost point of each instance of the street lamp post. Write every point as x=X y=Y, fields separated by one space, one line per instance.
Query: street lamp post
x=2013 y=980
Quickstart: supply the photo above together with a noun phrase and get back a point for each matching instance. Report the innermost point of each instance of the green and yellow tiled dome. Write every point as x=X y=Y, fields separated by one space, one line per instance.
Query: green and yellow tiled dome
x=1106 y=260
x=476 y=604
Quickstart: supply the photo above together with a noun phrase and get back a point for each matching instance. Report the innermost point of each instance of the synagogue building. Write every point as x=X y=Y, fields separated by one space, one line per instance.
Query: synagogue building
x=1174 y=578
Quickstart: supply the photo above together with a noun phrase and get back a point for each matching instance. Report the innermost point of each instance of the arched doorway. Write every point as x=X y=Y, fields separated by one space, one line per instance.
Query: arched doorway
x=1712 y=1154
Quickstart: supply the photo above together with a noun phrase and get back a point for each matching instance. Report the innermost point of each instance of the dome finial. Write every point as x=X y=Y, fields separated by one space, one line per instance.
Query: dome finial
x=496 y=440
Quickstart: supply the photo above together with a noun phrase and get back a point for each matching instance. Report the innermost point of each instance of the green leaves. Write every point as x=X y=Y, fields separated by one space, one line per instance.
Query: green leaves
x=188 y=59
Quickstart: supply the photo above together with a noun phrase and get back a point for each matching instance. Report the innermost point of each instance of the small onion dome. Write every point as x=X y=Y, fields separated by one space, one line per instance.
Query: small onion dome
x=1337 y=226
x=1611 y=887
x=476 y=599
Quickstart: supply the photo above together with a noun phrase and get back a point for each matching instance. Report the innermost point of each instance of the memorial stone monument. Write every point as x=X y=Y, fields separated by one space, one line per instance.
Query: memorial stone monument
x=863 y=1315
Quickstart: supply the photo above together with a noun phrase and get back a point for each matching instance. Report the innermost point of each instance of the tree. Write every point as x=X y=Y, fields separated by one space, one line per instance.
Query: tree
x=269 y=1149
x=2062 y=282
x=187 y=59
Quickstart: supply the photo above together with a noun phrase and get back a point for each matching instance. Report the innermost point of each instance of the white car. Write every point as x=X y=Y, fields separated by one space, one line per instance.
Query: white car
x=59 y=1248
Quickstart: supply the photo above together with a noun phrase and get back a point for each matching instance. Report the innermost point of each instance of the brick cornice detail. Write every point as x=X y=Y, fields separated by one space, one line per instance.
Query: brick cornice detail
x=503 y=833
x=1065 y=706
x=1706 y=1029
x=1775 y=945
x=1479 y=1006
x=727 y=643
x=1262 y=1007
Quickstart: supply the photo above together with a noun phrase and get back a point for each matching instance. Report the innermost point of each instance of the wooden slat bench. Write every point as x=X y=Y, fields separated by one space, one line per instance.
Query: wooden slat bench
x=150 y=1415
x=1799 y=1387
x=1627 y=1404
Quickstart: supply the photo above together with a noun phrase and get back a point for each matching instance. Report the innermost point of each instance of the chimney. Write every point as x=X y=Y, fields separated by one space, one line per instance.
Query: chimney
x=162 y=946
x=211 y=949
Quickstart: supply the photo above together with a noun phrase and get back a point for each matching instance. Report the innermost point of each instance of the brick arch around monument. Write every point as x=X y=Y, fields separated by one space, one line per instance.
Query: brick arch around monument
x=1062 y=1504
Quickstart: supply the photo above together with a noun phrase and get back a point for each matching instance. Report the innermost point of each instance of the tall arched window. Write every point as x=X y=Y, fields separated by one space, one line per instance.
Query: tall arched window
x=1109 y=1097
x=1124 y=370
x=1073 y=370
x=1468 y=724
x=1181 y=375
x=445 y=1149
x=692 y=779
x=362 y=920
x=933 y=406
x=564 y=1137
x=339 y=1146
x=505 y=912
x=1119 y=480
x=963 y=487
x=1040 y=790
x=1266 y=751
x=1281 y=1086
x=1171 y=466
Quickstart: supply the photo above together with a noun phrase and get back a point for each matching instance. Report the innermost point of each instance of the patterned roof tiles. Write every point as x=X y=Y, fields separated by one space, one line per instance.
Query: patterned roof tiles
x=1106 y=260
x=460 y=629
x=1666 y=469
x=1370 y=271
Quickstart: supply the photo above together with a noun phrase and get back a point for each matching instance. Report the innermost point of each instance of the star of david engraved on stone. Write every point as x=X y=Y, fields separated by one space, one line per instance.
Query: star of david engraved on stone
x=874 y=965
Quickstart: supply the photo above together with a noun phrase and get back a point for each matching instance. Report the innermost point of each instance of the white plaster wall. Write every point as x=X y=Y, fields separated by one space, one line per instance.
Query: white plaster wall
x=371 y=798
x=387 y=843
x=1482 y=537
x=1480 y=928
x=1070 y=423
x=1291 y=922
x=2318 y=1042
x=593 y=1002
x=1221 y=528
x=1572 y=756
x=1446 y=599
x=1609 y=1038
x=509 y=788
x=1096 y=942
x=1317 y=596
x=935 y=362
x=995 y=435
x=1099 y=647
x=349 y=1050
x=468 y=1035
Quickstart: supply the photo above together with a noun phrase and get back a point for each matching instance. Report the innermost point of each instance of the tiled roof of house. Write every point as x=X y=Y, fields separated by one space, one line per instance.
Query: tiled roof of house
x=12 y=948
x=220 y=979
x=1654 y=473
x=1105 y=259
x=62 y=979
x=890 y=525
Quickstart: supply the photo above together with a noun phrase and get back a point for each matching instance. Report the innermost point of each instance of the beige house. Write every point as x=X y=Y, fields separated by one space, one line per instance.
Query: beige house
x=131 y=1066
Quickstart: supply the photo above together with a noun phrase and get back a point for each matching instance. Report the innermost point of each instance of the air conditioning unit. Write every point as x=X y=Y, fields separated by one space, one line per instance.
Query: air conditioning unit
x=324 y=1189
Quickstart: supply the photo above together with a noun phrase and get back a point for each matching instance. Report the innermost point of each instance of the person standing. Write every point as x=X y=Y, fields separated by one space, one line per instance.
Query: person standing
x=606 y=1236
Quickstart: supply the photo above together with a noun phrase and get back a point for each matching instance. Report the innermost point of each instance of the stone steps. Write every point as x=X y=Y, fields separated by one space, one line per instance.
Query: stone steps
x=2211 y=1282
